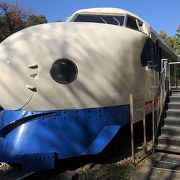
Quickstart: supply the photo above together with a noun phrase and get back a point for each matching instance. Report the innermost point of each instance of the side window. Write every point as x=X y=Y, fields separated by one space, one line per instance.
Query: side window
x=147 y=56
x=158 y=55
x=160 y=58
x=131 y=23
x=140 y=24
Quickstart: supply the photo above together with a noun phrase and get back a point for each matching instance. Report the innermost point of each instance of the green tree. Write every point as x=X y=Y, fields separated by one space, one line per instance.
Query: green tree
x=172 y=41
x=177 y=40
x=163 y=35
x=34 y=20
x=167 y=39
x=14 y=18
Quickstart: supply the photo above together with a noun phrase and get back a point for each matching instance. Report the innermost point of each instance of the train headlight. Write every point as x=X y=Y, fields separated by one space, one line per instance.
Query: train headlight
x=64 y=71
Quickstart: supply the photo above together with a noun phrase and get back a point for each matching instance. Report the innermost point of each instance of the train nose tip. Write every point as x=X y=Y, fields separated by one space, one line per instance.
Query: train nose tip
x=16 y=75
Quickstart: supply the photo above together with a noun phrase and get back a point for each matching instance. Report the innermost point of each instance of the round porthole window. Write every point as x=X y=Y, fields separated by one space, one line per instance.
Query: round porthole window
x=64 y=71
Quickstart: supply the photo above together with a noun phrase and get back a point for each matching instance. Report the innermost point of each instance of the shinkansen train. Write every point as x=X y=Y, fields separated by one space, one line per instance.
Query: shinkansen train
x=65 y=86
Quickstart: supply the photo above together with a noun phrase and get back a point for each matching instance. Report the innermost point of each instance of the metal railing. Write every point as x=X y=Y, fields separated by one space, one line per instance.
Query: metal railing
x=174 y=75
x=158 y=104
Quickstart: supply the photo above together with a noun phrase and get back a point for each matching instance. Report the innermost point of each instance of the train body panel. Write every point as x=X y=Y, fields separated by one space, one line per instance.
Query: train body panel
x=66 y=133
x=65 y=87
x=95 y=49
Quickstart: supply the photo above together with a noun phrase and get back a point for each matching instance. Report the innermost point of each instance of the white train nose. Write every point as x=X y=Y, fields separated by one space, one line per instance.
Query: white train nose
x=93 y=53
x=18 y=74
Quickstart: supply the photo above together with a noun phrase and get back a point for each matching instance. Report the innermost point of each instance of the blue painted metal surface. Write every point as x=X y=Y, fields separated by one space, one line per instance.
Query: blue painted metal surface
x=36 y=139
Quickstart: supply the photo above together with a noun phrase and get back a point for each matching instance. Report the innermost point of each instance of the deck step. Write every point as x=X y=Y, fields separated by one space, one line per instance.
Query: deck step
x=174 y=98
x=175 y=89
x=172 y=121
x=170 y=130
x=174 y=93
x=169 y=141
x=174 y=105
x=170 y=162
x=167 y=148
x=173 y=112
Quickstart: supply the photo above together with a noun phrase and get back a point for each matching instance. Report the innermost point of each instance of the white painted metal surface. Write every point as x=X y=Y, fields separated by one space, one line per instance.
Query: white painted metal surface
x=108 y=58
x=105 y=56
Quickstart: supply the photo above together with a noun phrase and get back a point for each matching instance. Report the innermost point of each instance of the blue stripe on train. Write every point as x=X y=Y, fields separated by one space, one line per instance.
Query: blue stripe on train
x=34 y=139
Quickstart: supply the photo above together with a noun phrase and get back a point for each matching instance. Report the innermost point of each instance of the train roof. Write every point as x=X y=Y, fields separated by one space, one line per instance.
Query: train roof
x=104 y=11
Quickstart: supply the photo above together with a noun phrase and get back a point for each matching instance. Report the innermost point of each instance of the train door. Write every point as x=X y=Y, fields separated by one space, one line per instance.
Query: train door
x=174 y=73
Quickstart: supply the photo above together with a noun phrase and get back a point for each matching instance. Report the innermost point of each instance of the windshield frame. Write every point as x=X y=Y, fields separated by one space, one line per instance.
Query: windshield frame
x=102 y=14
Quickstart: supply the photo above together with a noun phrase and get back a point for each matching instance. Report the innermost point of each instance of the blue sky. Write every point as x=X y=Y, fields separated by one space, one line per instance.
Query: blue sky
x=160 y=14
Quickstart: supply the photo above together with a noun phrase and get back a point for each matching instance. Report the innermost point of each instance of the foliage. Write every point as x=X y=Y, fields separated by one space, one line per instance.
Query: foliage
x=14 y=18
x=177 y=41
x=172 y=41
x=34 y=20
x=167 y=39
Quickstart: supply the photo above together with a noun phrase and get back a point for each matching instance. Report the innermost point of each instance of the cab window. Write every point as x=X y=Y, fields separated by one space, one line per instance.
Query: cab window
x=140 y=26
x=131 y=23
x=88 y=18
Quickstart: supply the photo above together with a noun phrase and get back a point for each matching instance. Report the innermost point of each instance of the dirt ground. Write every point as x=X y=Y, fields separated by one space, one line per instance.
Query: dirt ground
x=148 y=172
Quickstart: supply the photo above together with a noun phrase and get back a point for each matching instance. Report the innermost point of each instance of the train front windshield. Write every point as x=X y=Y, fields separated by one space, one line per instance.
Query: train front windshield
x=106 y=19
